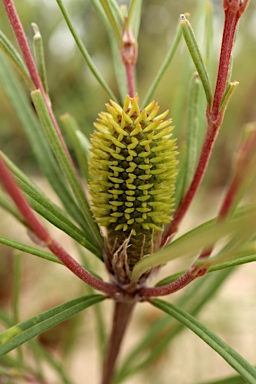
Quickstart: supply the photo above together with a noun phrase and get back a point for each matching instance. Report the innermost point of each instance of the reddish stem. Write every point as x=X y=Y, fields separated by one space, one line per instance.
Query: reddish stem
x=129 y=58
x=199 y=173
x=41 y=232
x=231 y=19
x=121 y=318
x=233 y=11
x=129 y=68
x=22 y=41
x=29 y=60
x=175 y=286
x=244 y=164
x=228 y=201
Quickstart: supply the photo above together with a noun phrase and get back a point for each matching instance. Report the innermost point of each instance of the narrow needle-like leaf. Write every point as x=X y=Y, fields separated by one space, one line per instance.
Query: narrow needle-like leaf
x=74 y=135
x=65 y=165
x=208 y=35
x=134 y=16
x=163 y=67
x=22 y=332
x=46 y=208
x=16 y=287
x=39 y=55
x=194 y=242
x=84 y=51
x=227 y=95
x=193 y=300
x=120 y=74
x=192 y=136
x=11 y=52
x=40 y=147
x=36 y=252
x=9 y=207
x=105 y=4
x=233 y=358
x=196 y=57
x=28 y=249
x=236 y=379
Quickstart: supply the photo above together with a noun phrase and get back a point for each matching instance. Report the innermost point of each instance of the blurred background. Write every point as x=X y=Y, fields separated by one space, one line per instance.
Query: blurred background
x=74 y=90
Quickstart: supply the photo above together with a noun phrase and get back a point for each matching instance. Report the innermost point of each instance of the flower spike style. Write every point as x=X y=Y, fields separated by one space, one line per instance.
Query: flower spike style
x=133 y=167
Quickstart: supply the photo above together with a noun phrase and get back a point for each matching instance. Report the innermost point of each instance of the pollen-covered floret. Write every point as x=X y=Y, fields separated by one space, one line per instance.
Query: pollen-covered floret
x=133 y=170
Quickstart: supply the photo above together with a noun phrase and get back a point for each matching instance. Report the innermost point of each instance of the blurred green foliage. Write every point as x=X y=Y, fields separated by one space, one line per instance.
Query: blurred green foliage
x=74 y=90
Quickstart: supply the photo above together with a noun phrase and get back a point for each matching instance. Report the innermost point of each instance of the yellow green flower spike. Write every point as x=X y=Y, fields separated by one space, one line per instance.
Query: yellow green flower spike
x=133 y=170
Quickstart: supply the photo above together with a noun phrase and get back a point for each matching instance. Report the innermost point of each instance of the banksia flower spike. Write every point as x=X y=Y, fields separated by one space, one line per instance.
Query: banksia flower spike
x=133 y=169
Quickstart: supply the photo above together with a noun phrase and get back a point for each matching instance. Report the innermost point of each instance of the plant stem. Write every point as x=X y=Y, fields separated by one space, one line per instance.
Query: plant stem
x=243 y=172
x=129 y=58
x=45 y=237
x=31 y=66
x=233 y=11
x=121 y=317
x=199 y=173
x=175 y=286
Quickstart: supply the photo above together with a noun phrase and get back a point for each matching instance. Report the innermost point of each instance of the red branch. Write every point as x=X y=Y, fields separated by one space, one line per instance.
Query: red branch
x=121 y=318
x=173 y=287
x=233 y=11
x=42 y=234
x=129 y=58
x=29 y=60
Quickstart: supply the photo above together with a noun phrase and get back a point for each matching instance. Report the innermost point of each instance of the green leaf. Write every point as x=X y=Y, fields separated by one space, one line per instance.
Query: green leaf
x=192 y=134
x=163 y=67
x=50 y=211
x=67 y=169
x=41 y=149
x=118 y=13
x=134 y=17
x=115 y=48
x=196 y=56
x=38 y=352
x=119 y=68
x=16 y=287
x=243 y=257
x=7 y=205
x=16 y=296
x=39 y=55
x=35 y=251
x=22 y=332
x=84 y=51
x=233 y=358
x=84 y=143
x=231 y=259
x=179 y=187
x=28 y=249
x=15 y=57
x=193 y=300
x=231 y=87
x=194 y=241
x=229 y=380
x=208 y=36
x=108 y=8
x=74 y=135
